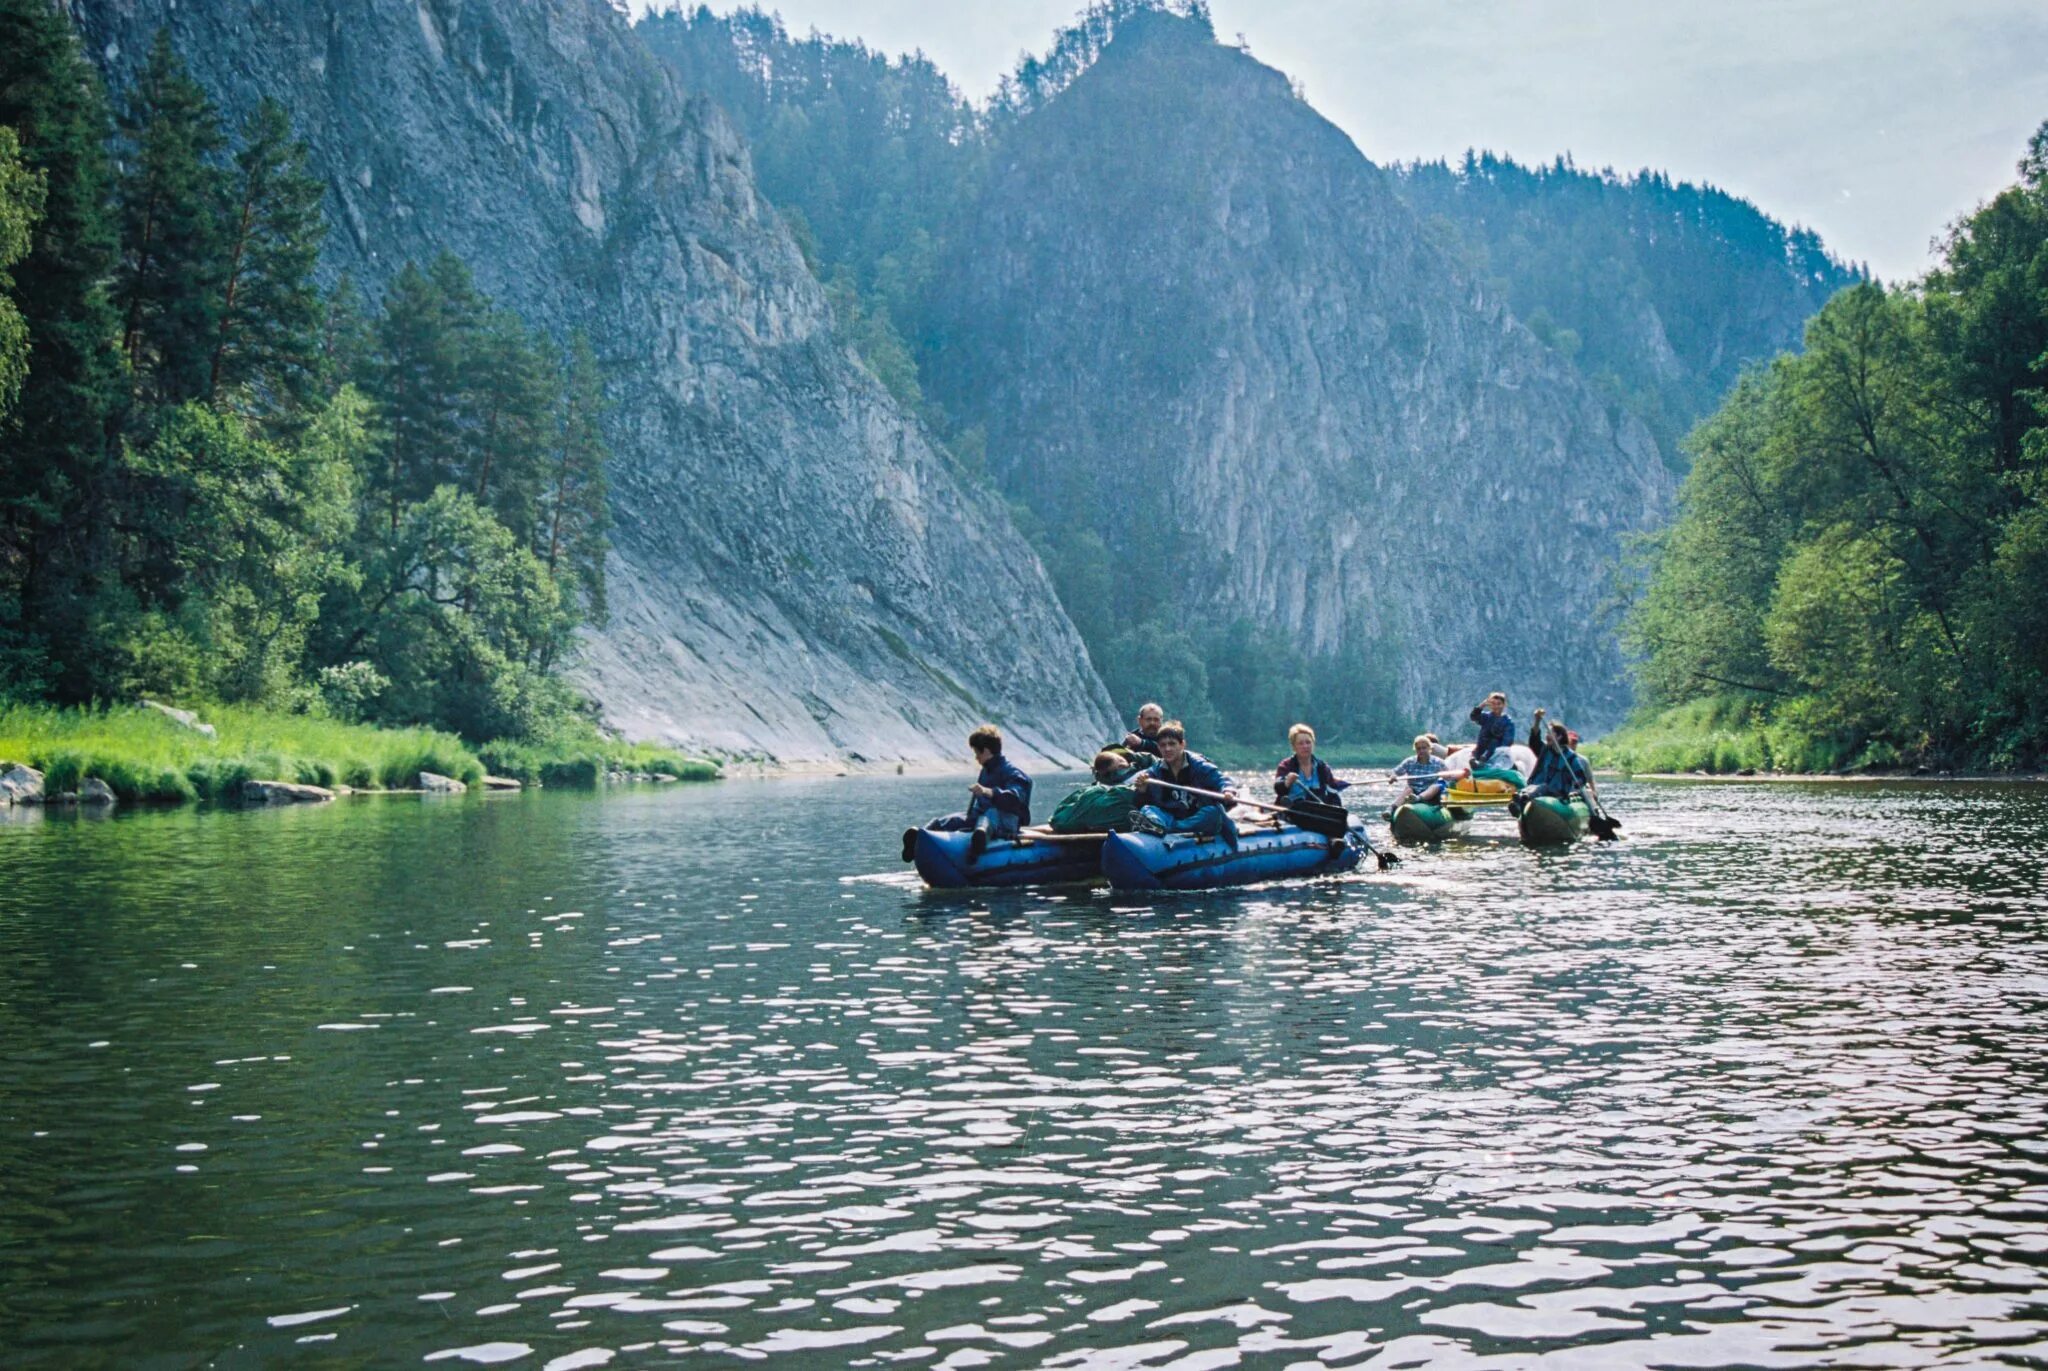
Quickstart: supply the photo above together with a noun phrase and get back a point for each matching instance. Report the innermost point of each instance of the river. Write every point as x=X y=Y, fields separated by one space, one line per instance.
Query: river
x=557 y=1080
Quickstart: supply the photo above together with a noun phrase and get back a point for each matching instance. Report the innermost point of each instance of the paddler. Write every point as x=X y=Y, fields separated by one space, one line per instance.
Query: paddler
x=1167 y=810
x=1560 y=771
x=1305 y=776
x=1426 y=774
x=1496 y=732
x=998 y=803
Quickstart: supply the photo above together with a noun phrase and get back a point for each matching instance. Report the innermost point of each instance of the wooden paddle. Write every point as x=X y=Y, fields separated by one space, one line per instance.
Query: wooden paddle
x=1324 y=820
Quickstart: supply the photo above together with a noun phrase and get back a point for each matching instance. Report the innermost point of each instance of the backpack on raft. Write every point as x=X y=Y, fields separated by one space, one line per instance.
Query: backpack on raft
x=1096 y=809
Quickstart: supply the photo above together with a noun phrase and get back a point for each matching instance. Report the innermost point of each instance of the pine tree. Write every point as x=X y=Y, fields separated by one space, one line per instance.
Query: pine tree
x=21 y=204
x=348 y=339
x=570 y=537
x=268 y=338
x=53 y=456
x=171 y=195
x=515 y=390
x=416 y=380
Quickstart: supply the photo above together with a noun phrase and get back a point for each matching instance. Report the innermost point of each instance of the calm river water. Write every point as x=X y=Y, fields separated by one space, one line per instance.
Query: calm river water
x=561 y=1080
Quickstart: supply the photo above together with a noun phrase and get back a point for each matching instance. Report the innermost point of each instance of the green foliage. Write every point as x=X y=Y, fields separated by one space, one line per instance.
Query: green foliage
x=265 y=349
x=217 y=488
x=1861 y=544
x=171 y=203
x=21 y=204
x=55 y=457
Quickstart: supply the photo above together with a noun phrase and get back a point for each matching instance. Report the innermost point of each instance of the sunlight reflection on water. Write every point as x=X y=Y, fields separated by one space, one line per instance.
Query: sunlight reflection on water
x=555 y=1080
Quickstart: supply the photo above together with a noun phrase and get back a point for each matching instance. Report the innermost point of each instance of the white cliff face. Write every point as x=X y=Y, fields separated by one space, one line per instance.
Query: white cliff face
x=1188 y=303
x=798 y=573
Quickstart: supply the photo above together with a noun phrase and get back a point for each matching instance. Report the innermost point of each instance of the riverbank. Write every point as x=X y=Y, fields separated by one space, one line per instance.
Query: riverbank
x=150 y=755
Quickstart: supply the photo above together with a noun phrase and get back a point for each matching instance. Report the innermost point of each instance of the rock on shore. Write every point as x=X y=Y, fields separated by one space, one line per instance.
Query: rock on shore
x=283 y=792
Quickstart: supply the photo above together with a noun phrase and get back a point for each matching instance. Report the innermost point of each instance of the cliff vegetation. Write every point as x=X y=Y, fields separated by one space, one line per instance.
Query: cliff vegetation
x=1855 y=575
x=223 y=485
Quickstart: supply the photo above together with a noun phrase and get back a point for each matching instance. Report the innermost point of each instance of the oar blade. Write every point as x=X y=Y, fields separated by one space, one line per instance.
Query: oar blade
x=1330 y=821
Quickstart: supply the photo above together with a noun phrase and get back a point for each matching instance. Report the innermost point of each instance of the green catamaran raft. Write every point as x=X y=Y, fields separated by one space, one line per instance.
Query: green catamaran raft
x=1424 y=823
x=1549 y=822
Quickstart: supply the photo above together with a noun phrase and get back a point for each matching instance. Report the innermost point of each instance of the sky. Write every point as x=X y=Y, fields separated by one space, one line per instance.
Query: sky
x=1875 y=122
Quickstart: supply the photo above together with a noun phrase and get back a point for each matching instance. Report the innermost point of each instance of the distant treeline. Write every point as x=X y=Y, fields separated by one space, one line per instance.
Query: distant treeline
x=1856 y=575
x=1661 y=291
x=217 y=482
x=877 y=162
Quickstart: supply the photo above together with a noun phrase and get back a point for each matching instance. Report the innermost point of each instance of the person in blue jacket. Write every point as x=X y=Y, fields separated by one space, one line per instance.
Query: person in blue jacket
x=998 y=803
x=1167 y=810
x=1496 y=732
x=1560 y=771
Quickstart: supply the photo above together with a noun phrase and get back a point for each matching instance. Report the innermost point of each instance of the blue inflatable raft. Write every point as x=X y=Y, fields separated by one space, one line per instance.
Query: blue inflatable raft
x=943 y=862
x=1141 y=861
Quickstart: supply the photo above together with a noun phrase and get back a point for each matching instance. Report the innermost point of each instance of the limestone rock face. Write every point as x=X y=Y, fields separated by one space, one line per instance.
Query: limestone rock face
x=798 y=572
x=1192 y=315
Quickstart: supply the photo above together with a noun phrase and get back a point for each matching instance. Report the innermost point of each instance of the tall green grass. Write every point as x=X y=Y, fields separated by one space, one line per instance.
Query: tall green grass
x=145 y=756
x=1727 y=736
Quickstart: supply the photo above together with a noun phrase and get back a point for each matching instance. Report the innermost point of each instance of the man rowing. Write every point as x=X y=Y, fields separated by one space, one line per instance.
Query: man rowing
x=1560 y=771
x=1427 y=774
x=1169 y=810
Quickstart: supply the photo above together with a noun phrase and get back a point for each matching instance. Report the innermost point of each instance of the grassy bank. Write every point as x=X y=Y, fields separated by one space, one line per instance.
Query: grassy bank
x=145 y=756
x=1726 y=737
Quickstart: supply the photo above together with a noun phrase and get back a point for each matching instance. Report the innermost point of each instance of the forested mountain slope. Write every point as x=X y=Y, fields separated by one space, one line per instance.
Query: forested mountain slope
x=797 y=571
x=1661 y=290
x=1656 y=318
x=1197 y=323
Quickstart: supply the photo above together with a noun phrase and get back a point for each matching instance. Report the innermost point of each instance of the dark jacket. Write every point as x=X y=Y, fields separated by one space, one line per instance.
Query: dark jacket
x=1559 y=770
x=1149 y=746
x=1196 y=770
x=1325 y=781
x=1012 y=788
x=1496 y=731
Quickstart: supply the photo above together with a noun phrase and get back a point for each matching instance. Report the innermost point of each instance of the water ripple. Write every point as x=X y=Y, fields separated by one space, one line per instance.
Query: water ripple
x=1762 y=1086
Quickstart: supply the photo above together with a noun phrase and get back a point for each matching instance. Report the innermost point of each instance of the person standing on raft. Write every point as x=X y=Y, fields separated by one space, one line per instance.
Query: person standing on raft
x=1167 y=810
x=1560 y=771
x=998 y=803
x=1305 y=776
x=1496 y=732
x=1426 y=774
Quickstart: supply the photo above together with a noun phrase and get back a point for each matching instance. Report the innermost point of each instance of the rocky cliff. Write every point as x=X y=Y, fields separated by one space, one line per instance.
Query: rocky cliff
x=1192 y=316
x=798 y=572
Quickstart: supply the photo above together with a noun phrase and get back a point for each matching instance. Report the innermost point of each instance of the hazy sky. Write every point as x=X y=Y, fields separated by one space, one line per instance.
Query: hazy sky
x=1874 y=121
